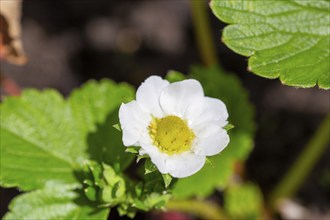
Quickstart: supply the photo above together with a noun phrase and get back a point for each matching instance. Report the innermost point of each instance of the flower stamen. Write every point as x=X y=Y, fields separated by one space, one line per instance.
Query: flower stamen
x=171 y=134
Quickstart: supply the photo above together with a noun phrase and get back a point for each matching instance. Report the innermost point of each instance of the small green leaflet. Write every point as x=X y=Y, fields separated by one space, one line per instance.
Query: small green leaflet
x=54 y=201
x=167 y=179
x=139 y=157
x=286 y=39
x=117 y=126
x=133 y=150
x=229 y=127
x=91 y=193
x=149 y=167
x=113 y=188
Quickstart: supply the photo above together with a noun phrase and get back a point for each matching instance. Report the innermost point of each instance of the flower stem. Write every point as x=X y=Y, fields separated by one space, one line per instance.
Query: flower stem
x=202 y=209
x=303 y=165
x=203 y=32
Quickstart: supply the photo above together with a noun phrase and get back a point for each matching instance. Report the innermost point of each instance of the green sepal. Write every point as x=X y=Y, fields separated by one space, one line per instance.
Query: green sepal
x=139 y=157
x=117 y=127
x=149 y=167
x=167 y=179
x=228 y=127
x=133 y=150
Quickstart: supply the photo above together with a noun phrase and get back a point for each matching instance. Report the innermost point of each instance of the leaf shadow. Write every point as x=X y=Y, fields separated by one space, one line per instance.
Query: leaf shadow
x=104 y=145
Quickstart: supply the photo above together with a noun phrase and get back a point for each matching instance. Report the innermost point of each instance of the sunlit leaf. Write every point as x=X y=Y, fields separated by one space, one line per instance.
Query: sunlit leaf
x=54 y=201
x=45 y=137
x=286 y=39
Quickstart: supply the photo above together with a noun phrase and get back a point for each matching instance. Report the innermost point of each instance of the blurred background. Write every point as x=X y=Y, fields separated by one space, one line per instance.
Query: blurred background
x=70 y=42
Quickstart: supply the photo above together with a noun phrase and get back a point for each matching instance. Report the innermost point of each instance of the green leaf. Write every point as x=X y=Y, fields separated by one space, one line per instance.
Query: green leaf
x=167 y=179
x=228 y=88
x=96 y=172
x=149 y=167
x=104 y=184
x=91 y=193
x=243 y=201
x=54 y=201
x=95 y=109
x=115 y=184
x=117 y=126
x=140 y=157
x=228 y=127
x=127 y=210
x=133 y=150
x=147 y=195
x=44 y=137
x=286 y=39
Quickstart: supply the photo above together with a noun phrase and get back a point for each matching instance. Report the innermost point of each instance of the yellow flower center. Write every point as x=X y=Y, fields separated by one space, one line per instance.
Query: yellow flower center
x=171 y=134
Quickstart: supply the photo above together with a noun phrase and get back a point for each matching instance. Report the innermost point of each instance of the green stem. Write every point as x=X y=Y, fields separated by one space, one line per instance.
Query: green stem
x=303 y=165
x=203 y=32
x=202 y=209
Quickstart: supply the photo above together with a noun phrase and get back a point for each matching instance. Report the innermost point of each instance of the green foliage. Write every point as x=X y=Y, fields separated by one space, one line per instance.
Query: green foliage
x=147 y=195
x=109 y=187
x=104 y=184
x=286 y=39
x=149 y=167
x=117 y=126
x=243 y=201
x=46 y=138
x=167 y=179
x=226 y=87
x=132 y=150
x=54 y=201
x=228 y=127
x=52 y=137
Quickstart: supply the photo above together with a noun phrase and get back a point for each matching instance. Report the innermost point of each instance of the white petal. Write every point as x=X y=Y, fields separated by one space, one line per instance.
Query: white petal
x=156 y=157
x=184 y=165
x=210 y=139
x=214 y=110
x=134 y=123
x=148 y=94
x=177 y=97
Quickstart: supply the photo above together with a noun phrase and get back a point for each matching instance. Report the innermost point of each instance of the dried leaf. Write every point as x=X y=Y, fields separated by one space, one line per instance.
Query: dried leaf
x=11 y=48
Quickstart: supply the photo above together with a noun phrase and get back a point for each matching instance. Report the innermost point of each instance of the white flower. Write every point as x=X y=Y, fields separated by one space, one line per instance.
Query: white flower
x=175 y=124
